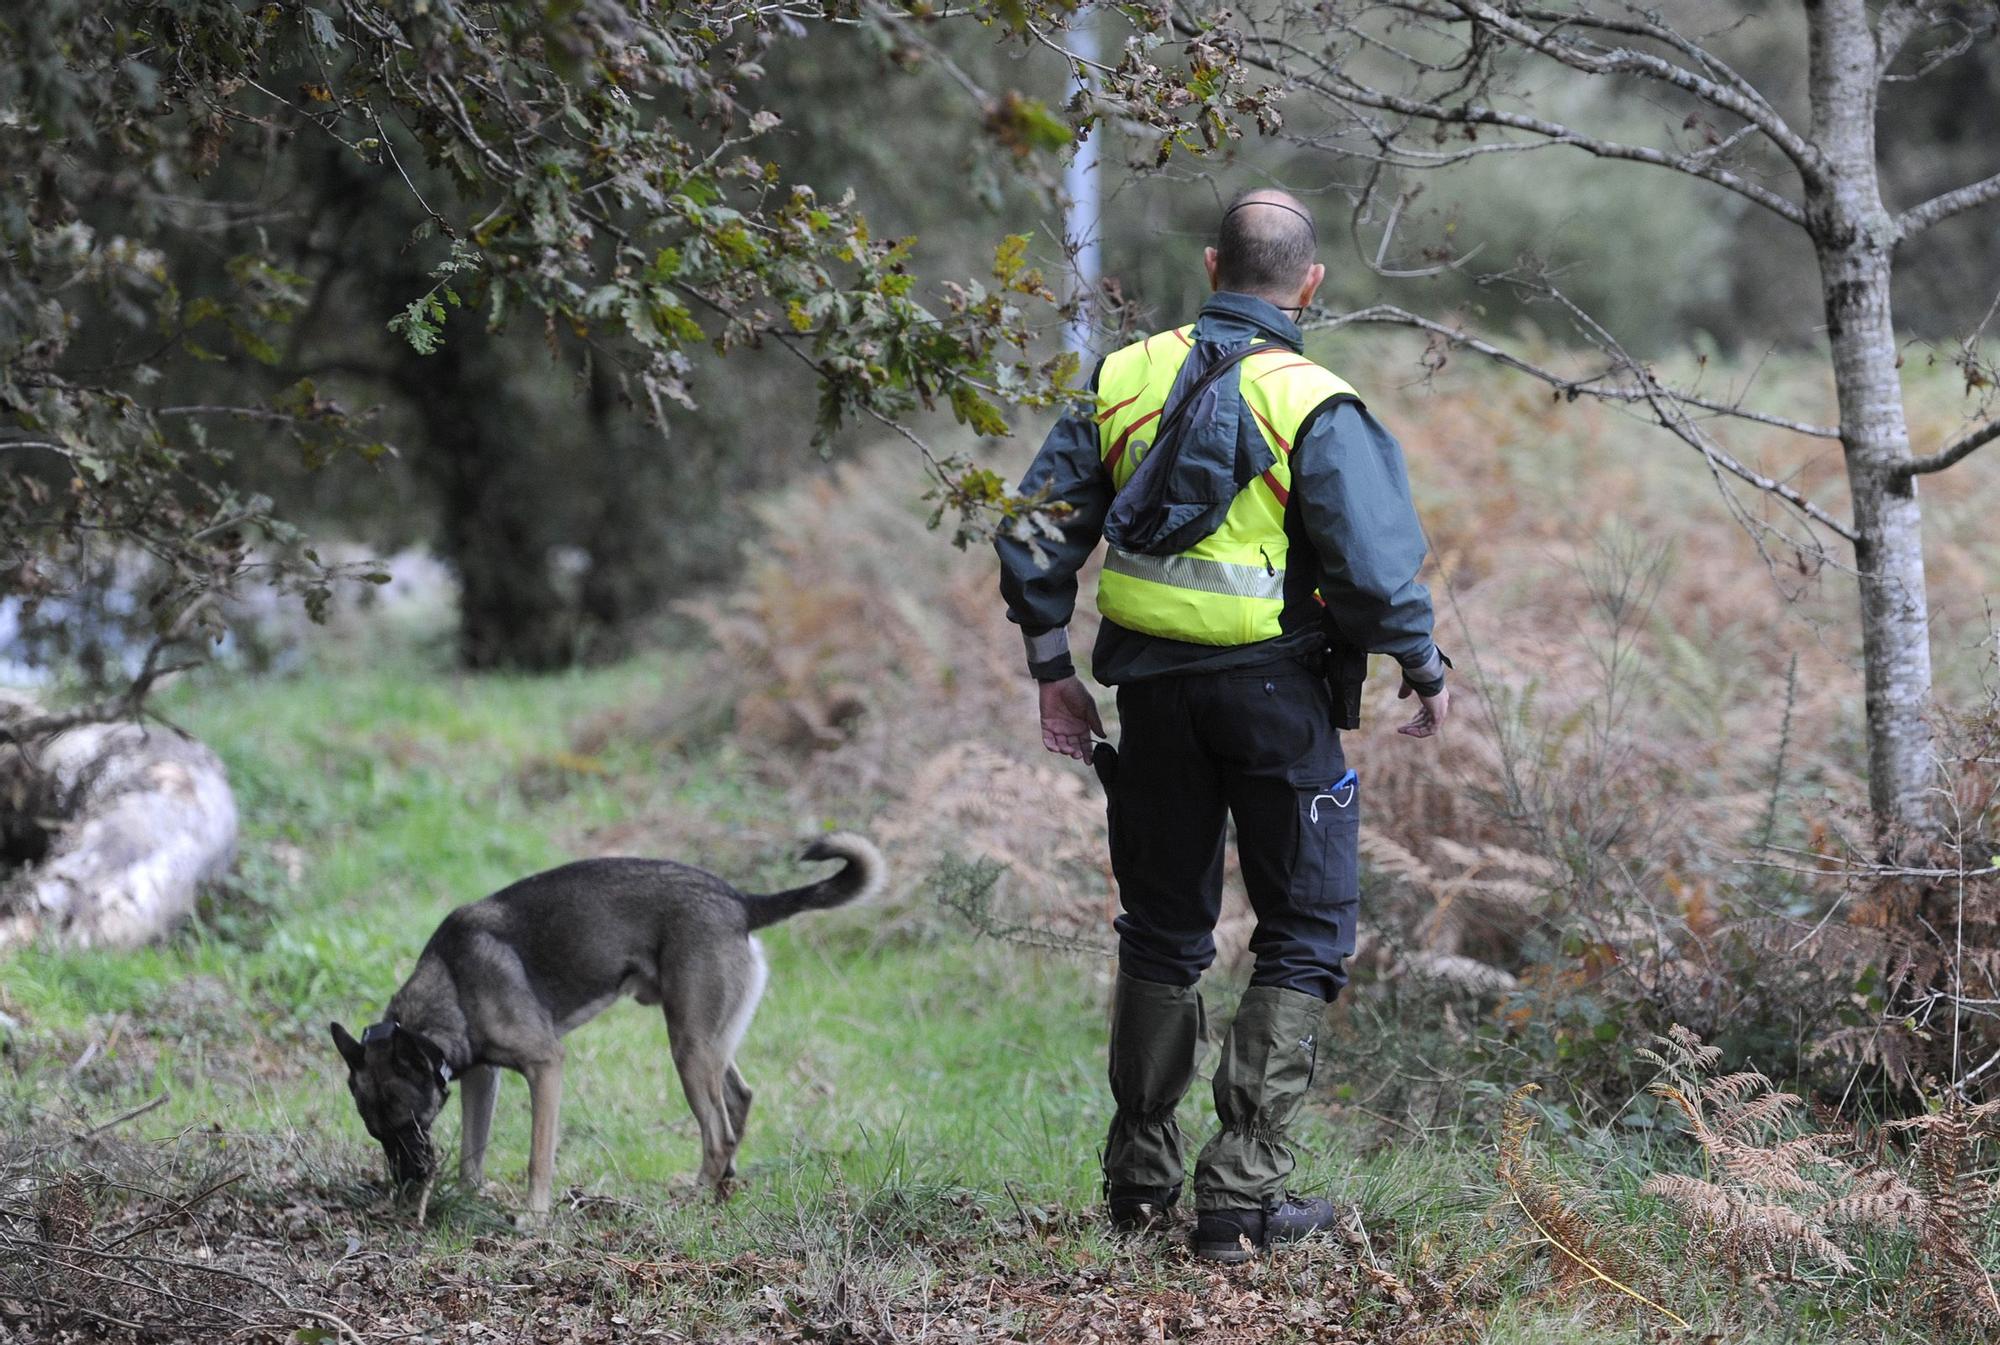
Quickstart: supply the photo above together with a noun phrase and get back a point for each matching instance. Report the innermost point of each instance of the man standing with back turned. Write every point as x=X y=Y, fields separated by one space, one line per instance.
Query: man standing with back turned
x=1255 y=514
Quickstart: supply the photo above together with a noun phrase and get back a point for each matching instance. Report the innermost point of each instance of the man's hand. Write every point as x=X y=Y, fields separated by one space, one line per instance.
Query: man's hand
x=1069 y=718
x=1431 y=712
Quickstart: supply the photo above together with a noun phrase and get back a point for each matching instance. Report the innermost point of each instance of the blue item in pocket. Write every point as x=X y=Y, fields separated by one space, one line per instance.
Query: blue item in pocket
x=1340 y=793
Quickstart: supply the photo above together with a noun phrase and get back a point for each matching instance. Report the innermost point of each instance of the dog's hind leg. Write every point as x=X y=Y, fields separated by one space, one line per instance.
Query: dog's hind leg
x=737 y=1096
x=545 y=1094
x=707 y=1013
x=736 y=1092
x=479 y=1090
x=702 y=1072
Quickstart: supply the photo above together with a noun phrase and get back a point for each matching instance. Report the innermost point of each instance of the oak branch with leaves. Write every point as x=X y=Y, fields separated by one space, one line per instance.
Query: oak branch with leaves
x=591 y=168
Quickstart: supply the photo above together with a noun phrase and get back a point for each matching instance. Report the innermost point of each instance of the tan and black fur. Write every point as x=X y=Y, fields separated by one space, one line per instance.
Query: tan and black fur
x=503 y=980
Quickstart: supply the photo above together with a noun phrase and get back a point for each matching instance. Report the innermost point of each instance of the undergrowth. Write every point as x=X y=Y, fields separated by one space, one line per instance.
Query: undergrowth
x=1552 y=887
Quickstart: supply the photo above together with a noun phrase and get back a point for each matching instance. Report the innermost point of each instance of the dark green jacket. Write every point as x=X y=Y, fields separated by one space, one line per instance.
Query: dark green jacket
x=1350 y=506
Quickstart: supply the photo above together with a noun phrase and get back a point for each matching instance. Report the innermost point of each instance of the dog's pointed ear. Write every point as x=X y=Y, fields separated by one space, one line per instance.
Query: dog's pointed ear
x=350 y=1049
x=424 y=1054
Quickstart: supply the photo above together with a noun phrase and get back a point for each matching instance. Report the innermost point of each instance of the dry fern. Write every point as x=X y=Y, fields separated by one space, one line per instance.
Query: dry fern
x=1743 y=1234
x=1583 y=1253
x=1482 y=901
x=1947 y=1204
x=1777 y=1191
x=1765 y=1203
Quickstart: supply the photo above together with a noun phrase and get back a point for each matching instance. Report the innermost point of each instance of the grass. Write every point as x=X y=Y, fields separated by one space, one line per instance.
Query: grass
x=921 y=1160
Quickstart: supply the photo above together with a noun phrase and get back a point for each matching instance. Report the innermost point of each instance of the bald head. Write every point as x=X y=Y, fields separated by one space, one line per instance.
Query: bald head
x=1265 y=247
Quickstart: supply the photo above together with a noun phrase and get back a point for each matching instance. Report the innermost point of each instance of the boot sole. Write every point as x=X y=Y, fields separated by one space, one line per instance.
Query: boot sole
x=1232 y=1255
x=1234 y=1252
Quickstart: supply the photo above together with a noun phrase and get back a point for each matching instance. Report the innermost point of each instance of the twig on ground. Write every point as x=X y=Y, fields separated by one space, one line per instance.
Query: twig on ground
x=85 y=1136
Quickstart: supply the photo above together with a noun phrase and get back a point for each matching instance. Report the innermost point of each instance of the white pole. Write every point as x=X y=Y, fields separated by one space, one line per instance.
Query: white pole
x=1082 y=198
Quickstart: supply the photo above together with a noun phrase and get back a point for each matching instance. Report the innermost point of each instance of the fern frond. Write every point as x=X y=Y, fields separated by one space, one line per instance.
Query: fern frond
x=1747 y=1231
x=1520 y=861
x=1583 y=1254
x=1774 y=1167
x=1732 y=1089
x=1954 y=1205
x=1690 y=1048
x=1389 y=857
x=1878 y=1198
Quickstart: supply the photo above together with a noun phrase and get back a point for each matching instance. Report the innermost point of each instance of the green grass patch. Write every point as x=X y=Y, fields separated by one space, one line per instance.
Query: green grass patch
x=923 y=1147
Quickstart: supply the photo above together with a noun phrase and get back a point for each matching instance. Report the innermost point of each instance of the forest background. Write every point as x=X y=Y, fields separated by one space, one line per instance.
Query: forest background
x=627 y=576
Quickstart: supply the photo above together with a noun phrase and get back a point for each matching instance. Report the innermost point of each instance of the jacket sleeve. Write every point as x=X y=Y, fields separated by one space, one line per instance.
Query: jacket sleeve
x=1354 y=501
x=1040 y=589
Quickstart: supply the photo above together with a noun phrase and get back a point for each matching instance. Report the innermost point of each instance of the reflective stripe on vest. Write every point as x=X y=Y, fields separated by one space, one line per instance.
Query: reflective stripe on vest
x=1229 y=588
x=1203 y=576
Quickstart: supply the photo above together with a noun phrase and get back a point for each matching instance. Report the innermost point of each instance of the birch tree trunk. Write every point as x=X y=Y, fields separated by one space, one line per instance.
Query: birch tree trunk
x=1854 y=236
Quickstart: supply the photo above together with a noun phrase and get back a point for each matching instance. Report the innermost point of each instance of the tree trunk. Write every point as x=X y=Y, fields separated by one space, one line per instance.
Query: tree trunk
x=119 y=826
x=627 y=541
x=1854 y=237
x=496 y=514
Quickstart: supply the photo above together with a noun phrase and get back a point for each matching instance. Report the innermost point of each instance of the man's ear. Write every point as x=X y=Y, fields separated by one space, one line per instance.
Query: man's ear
x=350 y=1049
x=1314 y=278
x=1208 y=260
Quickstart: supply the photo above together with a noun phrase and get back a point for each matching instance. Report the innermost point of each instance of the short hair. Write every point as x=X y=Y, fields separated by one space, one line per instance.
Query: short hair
x=1262 y=251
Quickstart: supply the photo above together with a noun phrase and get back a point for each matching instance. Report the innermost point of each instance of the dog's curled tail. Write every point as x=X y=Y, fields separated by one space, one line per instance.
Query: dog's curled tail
x=860 y=878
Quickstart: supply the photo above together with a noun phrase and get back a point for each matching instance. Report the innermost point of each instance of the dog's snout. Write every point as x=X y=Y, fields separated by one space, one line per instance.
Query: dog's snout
x=411 y=1158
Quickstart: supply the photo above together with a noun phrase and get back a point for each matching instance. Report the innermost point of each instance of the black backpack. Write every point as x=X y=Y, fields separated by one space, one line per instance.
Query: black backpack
x=1206 y=451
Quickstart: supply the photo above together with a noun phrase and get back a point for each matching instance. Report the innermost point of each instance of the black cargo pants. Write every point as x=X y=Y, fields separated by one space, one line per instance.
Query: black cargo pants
x=1257 y=745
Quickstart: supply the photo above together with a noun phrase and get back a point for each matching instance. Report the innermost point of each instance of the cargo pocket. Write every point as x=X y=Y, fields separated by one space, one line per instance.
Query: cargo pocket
x=1328 y=876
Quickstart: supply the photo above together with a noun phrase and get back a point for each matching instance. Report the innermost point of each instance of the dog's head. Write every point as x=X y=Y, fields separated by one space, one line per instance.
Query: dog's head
x=399 y=1080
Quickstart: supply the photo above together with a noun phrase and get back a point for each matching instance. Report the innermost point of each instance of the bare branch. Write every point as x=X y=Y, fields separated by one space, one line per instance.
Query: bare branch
x=1893 y=31
x=1970 y=197
x=127 y=704
x=159 y=1100
x=44 y=445
x=1636 y=25
x=1957 y=450
x=240 y=412
x=1335 y=84
x=1670 y=411
x=1639 y=388
x=1824 y=865
x=1379 y=265
x=1727 y=97
x=1586 y=387
x=1904 y=19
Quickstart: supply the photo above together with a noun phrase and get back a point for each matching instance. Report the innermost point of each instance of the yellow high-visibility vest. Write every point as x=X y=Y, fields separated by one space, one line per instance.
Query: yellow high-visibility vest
x=1228 y=588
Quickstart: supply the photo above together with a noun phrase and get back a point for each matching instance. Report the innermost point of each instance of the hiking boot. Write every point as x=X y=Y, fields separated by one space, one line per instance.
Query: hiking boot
x=1156 y=1035
x=1235 y=1236
x=1140 y=1209
x=1260 y=1085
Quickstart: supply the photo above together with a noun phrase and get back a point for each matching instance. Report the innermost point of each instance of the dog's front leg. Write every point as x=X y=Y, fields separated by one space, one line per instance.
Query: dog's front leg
x=545 y=1094
x=479 y=1089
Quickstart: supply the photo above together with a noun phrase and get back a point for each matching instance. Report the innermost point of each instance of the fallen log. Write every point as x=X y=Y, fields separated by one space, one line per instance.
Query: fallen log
x=113 y=829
